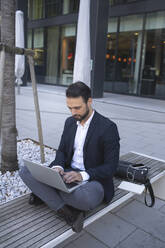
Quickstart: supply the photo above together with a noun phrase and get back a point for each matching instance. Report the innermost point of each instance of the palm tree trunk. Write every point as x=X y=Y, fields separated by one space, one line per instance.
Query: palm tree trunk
x=9 y=132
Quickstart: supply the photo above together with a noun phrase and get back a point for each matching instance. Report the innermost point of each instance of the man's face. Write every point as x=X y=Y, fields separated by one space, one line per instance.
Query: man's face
x=79 y=109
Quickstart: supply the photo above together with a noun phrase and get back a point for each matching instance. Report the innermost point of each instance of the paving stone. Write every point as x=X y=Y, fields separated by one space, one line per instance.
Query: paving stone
x=121 y=206
x=86 y=241
x=110 y=229
x=158 y=203
x=71 y=246
x=70 y=240
x=148 y=219
x=141 y=239
x=162 y=209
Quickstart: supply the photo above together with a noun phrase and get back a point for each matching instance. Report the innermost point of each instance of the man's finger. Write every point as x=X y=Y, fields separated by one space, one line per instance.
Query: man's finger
x=61 y=172
x=70 y=176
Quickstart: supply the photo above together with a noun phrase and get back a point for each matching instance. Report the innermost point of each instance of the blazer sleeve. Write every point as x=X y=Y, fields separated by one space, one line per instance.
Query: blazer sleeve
x=60 y=153
x=110 y=149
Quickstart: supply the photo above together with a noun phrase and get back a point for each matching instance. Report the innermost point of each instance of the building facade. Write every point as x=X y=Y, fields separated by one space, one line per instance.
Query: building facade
x=134 y=58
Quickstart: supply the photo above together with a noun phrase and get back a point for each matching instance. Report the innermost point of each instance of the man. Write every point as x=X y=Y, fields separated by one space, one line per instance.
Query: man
x=89 y=152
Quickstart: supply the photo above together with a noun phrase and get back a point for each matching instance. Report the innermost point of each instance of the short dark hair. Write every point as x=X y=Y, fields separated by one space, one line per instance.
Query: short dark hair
x=79 y=89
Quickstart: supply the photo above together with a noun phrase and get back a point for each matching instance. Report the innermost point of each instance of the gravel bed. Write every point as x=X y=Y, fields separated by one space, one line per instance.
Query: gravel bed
x=11 y=185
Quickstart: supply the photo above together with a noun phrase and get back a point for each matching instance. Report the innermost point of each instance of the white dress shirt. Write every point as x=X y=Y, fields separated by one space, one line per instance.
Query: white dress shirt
x=77 y=159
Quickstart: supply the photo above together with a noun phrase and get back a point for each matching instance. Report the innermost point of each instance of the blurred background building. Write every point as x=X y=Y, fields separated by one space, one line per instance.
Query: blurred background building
x=134 y=58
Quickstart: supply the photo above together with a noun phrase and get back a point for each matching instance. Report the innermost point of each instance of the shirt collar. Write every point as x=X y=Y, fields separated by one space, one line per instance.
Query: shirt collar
x=87 y=123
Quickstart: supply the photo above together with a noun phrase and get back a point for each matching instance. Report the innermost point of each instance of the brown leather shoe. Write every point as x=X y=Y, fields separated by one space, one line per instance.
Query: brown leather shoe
x=78 y=222
x=35 y=200
x=73 y=217
x=66 y=214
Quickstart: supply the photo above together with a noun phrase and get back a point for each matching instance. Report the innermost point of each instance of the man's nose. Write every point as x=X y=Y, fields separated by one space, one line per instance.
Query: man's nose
x=73 y=111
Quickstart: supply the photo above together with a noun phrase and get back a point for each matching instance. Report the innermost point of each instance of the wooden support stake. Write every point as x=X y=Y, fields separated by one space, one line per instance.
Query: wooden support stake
x=2 y=66
x=16 y=50
x=33 y=78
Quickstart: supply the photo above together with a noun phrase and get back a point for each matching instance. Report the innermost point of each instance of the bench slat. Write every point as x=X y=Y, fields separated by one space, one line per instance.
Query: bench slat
x=13 y=202
x=26 y=222
x=26 y=235
x=34 y=224
x=24 y=215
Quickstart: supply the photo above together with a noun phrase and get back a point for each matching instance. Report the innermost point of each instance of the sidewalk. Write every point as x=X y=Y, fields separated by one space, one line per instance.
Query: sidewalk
x=141 y=124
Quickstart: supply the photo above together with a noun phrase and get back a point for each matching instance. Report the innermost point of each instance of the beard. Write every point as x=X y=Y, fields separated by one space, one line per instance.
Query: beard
x=82 y=117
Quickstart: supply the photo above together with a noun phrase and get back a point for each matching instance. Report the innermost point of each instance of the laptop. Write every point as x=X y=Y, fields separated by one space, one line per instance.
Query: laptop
x=50 y=177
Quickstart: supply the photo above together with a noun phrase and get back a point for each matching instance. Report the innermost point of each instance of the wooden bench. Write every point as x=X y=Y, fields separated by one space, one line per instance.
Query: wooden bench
x=23 y=225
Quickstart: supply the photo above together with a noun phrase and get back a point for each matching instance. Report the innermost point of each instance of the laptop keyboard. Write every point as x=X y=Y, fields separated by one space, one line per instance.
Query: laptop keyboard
x=70 y=185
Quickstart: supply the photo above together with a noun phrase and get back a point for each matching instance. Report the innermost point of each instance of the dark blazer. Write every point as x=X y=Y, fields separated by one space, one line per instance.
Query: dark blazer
x=101 y=150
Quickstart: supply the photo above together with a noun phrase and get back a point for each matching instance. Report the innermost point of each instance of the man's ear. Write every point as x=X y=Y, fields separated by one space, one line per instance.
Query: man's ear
x=90 y=100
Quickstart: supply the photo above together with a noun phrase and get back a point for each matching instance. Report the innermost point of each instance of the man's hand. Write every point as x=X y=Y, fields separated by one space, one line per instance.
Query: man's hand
x=72 y=176
x=59 y=170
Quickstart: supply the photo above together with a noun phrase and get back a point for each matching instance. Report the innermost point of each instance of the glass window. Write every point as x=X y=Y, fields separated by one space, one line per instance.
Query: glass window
x=126 y=57
x=111 y=49
x=70 y=6
x=68 y=44
x=112 y=25
x=35 y=9
x=123 y=49
x=129 y=47
x=116 y=2
x=38 y=46
x=29 y=38
x=35 y=41
x=153 y=66
x=110 y=56
x=52 y=55
x=74 y=6
x=53 y=7
x=131 y=23
x=66 y=6
x=155 y=21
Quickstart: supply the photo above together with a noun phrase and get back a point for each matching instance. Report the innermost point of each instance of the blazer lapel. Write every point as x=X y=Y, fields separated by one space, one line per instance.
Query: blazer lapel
x=72 y=137
x=91 y=128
